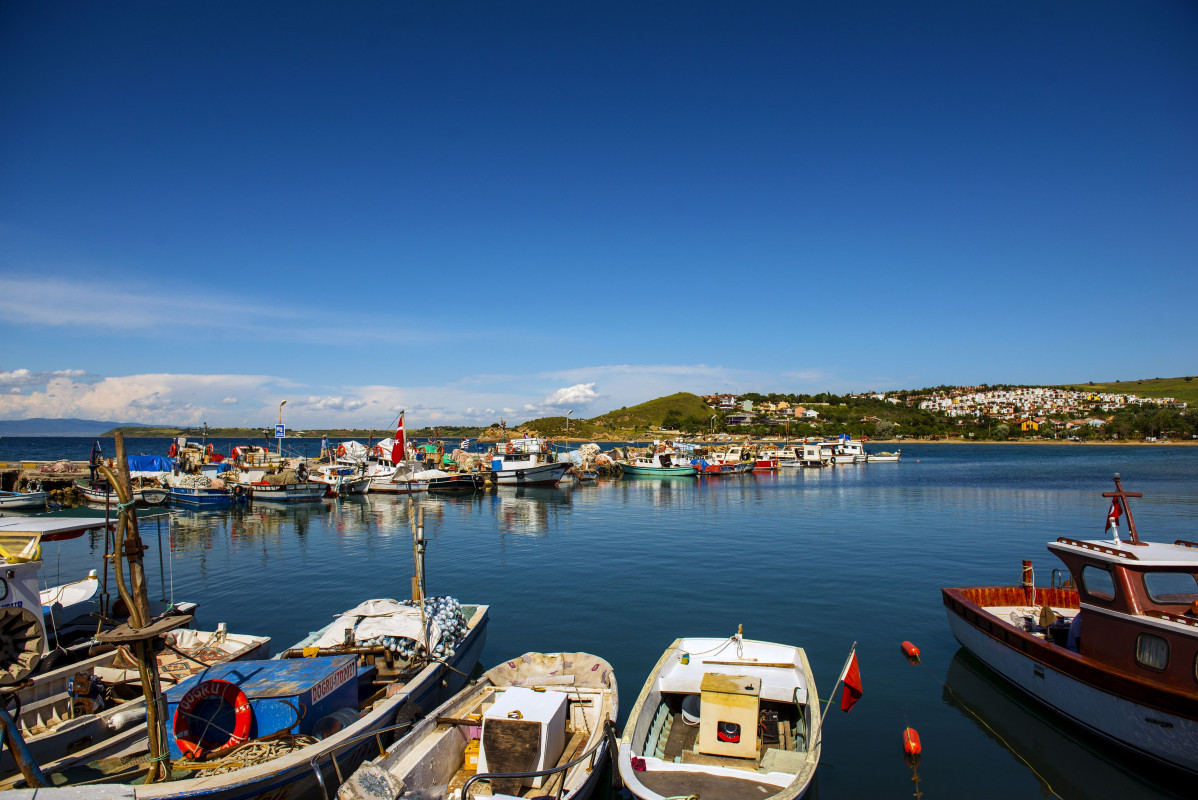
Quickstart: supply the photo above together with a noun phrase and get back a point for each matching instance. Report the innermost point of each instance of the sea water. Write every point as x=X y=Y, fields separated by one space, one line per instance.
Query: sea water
x=620 y=568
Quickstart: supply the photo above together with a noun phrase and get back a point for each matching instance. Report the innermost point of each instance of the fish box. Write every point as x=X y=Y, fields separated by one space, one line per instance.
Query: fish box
x=288 y=694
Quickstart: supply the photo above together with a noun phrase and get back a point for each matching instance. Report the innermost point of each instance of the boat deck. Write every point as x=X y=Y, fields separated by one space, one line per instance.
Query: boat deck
x=702 y=784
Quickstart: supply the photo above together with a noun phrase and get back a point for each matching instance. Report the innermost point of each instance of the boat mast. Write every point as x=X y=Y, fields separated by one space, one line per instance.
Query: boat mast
x=1122 y=495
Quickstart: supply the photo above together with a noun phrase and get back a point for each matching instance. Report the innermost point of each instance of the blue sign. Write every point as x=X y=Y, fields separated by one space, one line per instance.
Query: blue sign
x=280 y=431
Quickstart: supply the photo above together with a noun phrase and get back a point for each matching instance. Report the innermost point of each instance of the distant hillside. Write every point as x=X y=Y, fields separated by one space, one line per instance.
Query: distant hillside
x=654 y=412
x=43 y=426
x=1183 y=390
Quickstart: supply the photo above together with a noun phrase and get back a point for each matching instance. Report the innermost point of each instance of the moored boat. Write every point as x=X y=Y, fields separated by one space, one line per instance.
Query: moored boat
x=527 y=462
x=884 y=456
x=33 y=497
x=546 y=713
x=660 y=462
x=1111 y=647
x=726 y=718
x=340 y=480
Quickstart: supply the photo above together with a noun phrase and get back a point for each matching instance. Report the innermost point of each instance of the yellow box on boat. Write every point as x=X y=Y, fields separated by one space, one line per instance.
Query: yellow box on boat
x=471 y=754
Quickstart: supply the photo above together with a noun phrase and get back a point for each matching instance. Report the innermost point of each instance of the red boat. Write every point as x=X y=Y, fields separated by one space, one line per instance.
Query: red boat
x=1112 y=644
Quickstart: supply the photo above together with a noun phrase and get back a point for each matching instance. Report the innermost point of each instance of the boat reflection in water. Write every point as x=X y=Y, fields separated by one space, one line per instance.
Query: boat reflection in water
x=530 y=510
x=1072 y=761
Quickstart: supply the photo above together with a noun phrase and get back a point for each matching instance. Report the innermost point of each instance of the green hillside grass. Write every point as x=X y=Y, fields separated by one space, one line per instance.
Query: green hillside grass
x=1184 y=389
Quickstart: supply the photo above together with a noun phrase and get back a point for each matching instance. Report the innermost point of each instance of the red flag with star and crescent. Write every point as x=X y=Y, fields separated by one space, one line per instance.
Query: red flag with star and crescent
x=852 y=684
x=1112 y=516
x=400 y=444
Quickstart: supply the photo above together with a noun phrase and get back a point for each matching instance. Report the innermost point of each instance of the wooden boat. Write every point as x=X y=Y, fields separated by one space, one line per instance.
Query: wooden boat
x=728 y=718
x=566 y=703
x=442 y=481
x=99 y=492
x=359 y=707
x=1112 y=647
x=97 y=705
x=784 y=457
x=527 y=462
x=884 y=456
x=33 y=498
x=199 y=490
x=662 y=462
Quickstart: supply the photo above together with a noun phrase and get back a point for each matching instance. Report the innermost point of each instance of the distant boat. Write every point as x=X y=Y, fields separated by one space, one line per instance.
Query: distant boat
x=35 y=497
x=884 y=456
x=661 y=462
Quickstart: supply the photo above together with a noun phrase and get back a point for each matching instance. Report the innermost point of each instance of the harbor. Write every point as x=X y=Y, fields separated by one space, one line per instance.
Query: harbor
x=621 y=567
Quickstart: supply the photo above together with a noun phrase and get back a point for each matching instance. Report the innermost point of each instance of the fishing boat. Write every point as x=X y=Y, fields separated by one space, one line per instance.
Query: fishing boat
x=33 y=497
x=884 y=456
x=728 y=718
x=442 y=481
x=660 y=462
x=544 y=715
x=783 y=457
x=1110 y=645
x=278 y=485
x=199 y=490
x=728 y=461
x=340 y=480
x=100 y=493
x=527 y=462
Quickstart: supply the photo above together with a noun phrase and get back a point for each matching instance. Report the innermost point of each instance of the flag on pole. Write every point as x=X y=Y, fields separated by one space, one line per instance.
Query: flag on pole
x=1112 y=516
x=852 y=683
x=400 y=444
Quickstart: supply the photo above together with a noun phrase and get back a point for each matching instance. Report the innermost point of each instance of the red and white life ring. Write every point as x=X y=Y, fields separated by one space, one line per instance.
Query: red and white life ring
x=243 y=717
x=341 y=450
x=378 y=450
x=210 y=449
x=510 y=449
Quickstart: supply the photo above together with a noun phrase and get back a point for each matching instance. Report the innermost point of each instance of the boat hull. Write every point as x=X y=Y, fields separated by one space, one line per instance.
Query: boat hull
x=538 y=475
x=1153 y=732
x=658 y=472
x=200 y=497
x=398 y=487
x=23 y=499
x=286 y=492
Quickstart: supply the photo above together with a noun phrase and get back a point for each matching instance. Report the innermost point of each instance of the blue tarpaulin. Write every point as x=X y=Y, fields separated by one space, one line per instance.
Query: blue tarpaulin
x=150 y=464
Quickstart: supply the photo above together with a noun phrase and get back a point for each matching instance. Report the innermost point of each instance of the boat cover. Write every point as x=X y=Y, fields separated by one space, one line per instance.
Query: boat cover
x=141 y=466
x=376 y=618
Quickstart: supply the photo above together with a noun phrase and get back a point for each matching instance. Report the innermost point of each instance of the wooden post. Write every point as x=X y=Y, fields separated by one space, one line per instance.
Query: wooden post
x=128 y=545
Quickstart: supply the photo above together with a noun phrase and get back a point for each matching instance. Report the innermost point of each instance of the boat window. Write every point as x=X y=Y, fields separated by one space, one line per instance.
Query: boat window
x=1171 y=588
x=1097 y=582
x=1152 y=651
x=3 y=589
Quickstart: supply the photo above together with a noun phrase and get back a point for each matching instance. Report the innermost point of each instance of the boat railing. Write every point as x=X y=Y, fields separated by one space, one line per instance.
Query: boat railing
x=608 y=739
x=1062 y=579
x=356 y=740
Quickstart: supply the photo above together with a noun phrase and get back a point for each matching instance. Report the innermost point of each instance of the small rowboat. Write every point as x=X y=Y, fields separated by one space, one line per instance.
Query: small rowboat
x=564 y=702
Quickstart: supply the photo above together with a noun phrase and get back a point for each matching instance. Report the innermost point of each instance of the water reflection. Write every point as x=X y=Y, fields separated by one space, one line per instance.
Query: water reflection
x=530 y=510
x=1070 y=760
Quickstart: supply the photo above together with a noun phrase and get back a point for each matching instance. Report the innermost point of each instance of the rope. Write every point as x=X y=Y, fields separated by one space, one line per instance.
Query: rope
x=986 y=725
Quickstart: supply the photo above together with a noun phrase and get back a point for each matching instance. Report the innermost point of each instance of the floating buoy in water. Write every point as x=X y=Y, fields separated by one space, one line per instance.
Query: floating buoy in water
x=911 y=652
x=911 y=744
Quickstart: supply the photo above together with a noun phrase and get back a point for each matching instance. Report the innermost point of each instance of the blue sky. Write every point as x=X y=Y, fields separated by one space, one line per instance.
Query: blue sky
x=476 y=210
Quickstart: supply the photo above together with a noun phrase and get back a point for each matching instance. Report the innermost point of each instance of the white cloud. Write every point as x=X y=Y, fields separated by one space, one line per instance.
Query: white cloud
x=229 y=401
x=580 y=394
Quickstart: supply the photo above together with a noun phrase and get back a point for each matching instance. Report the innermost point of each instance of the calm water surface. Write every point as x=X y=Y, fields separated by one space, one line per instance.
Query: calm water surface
x=820 y=558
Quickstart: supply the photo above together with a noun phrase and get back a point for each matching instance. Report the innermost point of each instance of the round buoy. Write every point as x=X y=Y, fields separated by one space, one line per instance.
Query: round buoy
x=911 y=744
x=911 y=652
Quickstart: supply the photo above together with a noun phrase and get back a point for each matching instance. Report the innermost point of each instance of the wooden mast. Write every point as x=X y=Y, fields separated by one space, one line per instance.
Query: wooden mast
x=1122 y=495
x=139 y=633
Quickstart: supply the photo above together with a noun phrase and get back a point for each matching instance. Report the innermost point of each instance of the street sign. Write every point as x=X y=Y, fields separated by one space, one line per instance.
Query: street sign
x=280 y=431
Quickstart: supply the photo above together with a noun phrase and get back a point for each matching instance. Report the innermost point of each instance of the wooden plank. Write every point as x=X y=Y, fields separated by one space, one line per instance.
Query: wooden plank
x=770 y=664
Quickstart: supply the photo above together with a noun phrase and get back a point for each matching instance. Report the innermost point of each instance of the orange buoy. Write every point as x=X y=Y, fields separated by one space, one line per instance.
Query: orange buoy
x=911 y=744
x=911 y=652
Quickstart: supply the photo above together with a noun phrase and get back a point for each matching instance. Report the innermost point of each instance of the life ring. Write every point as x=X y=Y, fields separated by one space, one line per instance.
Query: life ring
x=210 y=449
x=510 y=449
x=378 y=450
x=243 y=717
x=341 y=450
x=174 y=451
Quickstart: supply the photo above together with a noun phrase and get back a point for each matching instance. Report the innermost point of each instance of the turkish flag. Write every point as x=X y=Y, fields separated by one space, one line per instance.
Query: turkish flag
x=1112 y=516
x=852 y=684
x=400 y=444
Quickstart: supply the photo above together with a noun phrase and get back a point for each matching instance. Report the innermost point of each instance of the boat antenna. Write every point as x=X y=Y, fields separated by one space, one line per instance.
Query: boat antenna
x=1122 y=499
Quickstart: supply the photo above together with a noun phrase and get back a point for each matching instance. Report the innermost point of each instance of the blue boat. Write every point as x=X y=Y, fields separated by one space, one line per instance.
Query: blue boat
x=200 y=496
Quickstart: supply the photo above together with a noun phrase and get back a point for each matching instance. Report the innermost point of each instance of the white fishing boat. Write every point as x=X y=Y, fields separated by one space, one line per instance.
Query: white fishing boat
x=340 y=480
x=727 y=718
x=884 y=456
x=661 y=461
x=785 y=457
x=527 y=462
x=542 y=713
x=33 y=497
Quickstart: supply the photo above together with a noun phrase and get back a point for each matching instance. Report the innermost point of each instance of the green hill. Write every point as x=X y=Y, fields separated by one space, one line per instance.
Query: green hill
x=1184 y=390
x=622 y=423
